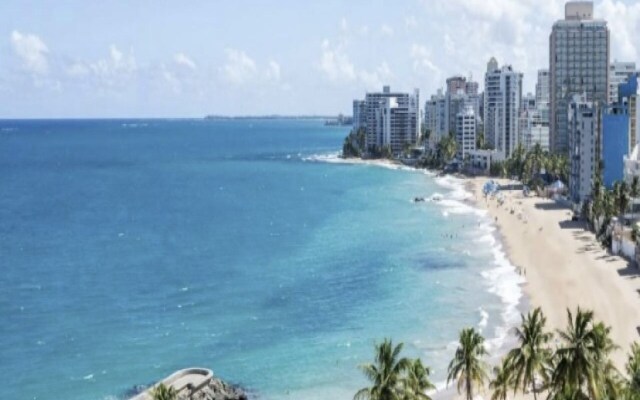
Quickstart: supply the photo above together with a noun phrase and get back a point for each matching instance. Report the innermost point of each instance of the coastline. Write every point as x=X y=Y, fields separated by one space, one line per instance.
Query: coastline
x=501 y=278
x=564 y=265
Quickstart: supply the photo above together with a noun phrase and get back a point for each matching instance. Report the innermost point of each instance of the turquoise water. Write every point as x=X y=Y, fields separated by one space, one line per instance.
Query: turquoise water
x=130 y=249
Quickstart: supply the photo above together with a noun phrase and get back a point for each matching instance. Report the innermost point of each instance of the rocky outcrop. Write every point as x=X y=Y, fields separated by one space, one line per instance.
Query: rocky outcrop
x=195 y=384
x=217 y=389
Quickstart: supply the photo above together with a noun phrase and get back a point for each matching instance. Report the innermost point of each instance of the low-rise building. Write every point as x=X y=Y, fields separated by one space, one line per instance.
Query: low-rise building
x=482 y=159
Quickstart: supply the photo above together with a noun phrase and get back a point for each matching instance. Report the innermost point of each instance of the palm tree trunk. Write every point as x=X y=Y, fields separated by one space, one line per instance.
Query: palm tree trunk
x=469 y=389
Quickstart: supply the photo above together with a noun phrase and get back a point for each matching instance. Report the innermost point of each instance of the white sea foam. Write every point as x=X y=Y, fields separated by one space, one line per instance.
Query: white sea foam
x=335 y=158
x=502 y=279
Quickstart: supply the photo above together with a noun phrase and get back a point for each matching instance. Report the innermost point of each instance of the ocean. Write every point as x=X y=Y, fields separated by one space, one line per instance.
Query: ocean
x=133 y=248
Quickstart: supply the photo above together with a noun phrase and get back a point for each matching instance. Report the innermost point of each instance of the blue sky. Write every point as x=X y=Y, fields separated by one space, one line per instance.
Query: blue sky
x=190 y=58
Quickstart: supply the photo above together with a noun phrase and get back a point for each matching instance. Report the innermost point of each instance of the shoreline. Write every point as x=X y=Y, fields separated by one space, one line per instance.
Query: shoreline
x=564 y=265
x=501 y=276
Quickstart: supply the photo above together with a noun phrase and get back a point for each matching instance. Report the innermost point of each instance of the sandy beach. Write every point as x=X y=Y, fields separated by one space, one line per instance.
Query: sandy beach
x=565 y=267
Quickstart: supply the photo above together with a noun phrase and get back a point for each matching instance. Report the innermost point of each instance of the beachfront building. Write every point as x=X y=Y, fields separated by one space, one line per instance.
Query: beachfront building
x=534 y=118
x=502 y=104
x=534 y=130
x=461 y=94
x=619 y=73
x=392 y=120
x=628 y=98
x=620 y=132
x=632 y=165
x=615 y=143
x=481 y=159
x=583 y=127
x=435 y=118
x=578 y=64
x=359 y=115
x=466 y=129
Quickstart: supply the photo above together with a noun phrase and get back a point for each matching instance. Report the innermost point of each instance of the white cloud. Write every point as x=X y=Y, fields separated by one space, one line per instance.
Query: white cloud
x=449 y=45
x=182 y=60
x=344 y=25
x=240 y=68
x=78 y=69
x=410 y=22
x=32 y=51
x=624 y=23
x=273 y=71
x=171 y=80
x=336 y=65
x=421 y=57
x=386 y=30
x=377 y=78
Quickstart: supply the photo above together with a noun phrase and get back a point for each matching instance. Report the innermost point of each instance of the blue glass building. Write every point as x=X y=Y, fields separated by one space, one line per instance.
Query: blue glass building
x=615 y=143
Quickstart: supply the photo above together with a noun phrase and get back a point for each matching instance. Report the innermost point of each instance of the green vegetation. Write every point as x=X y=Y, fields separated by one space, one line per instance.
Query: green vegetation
x=578 y=367
x=605 y=204
x=445 y=152
x=527 y=165
x=394 y=378
x=467 y=366
x=353 y=144
x=163 y=392
x=528 y=361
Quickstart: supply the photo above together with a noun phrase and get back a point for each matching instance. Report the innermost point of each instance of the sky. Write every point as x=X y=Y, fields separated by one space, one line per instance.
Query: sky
x=190 y=58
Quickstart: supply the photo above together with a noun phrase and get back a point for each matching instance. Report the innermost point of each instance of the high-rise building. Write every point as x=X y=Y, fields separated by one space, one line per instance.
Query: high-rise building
x=466 y=126
x=435 y=117
x=393 y=120
x=534 y=121
x=461 y=93
x=542 y=88
x=502 y=104
x=456 y=83
x=578 y=64
x=628 y=98
x=615 y=143
x=582 y=131
x=471 y=87
x=359 y=115
x=619 y=72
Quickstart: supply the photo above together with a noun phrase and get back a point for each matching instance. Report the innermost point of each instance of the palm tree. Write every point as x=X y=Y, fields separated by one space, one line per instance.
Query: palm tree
x=502 y=381
x=163 y=392
x=581 y=362
x=623 y=198
x=467 y=366
x=417 y=382
x=633 y=371
x=607 y=377
x=530 y=359
x=385 y=375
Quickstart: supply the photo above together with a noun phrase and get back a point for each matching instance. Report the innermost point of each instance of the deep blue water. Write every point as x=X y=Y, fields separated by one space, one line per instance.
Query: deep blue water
x=130 y=249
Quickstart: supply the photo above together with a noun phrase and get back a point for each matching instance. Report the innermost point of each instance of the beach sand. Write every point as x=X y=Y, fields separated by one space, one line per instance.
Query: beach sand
x=564 y=265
